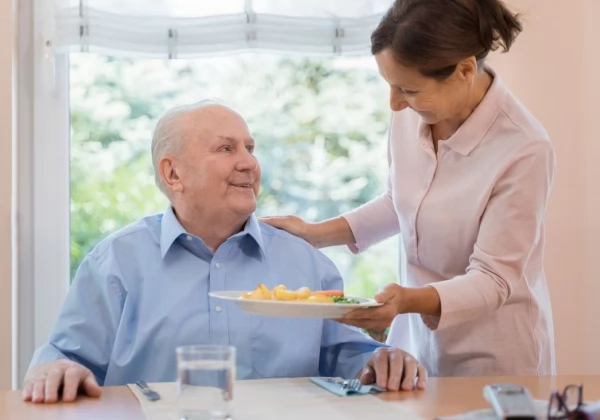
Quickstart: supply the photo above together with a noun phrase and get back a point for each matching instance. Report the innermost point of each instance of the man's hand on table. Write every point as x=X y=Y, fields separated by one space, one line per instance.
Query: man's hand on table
x=43 y=382
x=394 y=370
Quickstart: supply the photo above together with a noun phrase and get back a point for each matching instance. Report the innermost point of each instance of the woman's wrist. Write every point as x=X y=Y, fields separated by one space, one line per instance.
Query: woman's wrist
x=330 y=232
x=420 y=300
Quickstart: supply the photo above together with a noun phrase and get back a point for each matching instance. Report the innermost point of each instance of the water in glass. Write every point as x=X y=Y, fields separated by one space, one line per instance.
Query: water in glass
x=205 y=388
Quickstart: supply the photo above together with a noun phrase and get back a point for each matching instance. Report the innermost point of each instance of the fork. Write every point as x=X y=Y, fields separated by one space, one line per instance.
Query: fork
x=148 y=393
x=352 y=384
x=349 y=384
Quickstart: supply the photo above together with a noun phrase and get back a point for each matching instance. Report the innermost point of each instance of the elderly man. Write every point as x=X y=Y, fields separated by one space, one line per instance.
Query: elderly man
x=143 y=291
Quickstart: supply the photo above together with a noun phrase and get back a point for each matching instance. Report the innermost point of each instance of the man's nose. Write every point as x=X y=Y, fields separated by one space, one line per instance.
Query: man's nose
x=247 y=161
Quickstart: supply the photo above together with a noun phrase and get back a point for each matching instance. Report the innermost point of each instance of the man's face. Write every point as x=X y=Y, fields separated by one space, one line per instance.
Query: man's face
x=217 y=170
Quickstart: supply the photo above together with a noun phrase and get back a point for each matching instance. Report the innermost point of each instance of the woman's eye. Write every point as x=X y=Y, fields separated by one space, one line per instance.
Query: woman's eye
x=407 y=92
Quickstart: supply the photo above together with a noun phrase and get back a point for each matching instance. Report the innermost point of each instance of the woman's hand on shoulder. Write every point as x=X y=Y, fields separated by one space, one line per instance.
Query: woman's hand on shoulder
x=292 y=224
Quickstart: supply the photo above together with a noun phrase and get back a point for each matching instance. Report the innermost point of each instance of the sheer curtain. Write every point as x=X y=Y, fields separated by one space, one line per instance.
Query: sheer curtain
x=193 y=28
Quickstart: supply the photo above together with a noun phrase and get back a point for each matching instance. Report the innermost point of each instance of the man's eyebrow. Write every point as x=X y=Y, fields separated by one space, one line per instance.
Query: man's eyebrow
x=234 y=140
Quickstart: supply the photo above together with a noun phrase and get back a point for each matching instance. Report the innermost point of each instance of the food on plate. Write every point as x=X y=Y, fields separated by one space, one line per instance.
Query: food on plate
x=262 y=292
x=329 y=292
x=303 y=294
x=342 y=299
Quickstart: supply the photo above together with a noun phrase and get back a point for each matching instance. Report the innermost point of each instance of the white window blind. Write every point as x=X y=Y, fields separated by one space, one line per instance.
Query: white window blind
x=193 y=28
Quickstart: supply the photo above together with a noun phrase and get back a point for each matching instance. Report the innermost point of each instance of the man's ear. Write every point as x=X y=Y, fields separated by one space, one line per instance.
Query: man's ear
x=168 y=171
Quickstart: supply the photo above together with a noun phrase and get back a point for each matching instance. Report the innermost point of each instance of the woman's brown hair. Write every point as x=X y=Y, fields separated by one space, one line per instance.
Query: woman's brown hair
x=433 y=36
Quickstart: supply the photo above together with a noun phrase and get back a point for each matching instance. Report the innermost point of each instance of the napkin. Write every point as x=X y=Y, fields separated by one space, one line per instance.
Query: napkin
x=336 y=388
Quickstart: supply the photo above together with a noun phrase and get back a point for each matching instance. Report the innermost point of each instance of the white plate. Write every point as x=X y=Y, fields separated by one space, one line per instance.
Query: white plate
x=295 y=309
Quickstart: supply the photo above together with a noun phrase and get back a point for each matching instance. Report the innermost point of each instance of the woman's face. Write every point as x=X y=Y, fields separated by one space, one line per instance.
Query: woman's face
x=434 y=101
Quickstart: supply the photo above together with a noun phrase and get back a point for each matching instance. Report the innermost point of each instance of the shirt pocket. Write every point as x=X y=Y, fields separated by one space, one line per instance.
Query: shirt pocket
x=286 y=347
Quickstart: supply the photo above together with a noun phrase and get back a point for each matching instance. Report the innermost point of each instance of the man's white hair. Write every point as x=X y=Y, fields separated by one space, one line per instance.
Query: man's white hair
x=167 y=138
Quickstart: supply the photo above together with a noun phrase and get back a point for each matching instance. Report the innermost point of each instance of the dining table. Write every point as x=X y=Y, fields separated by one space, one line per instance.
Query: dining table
x=442 y=397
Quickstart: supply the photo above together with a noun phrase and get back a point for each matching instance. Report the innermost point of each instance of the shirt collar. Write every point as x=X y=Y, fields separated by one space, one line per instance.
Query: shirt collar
x=476 y=126
x=171 y=230
x=252 y=229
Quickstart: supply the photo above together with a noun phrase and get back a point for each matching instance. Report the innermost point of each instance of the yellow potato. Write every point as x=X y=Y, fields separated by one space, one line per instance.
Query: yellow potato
x=266 y=293
x=279 y=287
x=261 y=292
x=281 y=294
x=319 y=299
x=303 y=293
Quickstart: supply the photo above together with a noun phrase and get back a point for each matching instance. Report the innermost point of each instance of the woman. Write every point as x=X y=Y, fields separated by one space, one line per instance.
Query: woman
x=470 y=171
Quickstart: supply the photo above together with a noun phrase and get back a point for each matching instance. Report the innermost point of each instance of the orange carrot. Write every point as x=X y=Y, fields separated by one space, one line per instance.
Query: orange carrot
x=339 y=293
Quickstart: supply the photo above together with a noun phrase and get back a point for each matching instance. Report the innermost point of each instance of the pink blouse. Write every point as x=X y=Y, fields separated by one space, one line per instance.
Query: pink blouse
x=471 y=218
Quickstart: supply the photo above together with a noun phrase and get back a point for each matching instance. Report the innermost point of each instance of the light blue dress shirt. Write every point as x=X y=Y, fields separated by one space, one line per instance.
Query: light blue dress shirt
x=143 y=291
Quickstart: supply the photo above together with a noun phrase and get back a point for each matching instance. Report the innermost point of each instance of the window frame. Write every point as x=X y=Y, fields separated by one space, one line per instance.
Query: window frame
x=42 y=235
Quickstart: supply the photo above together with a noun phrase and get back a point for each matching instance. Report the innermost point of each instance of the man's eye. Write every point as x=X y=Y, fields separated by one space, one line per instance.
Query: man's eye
x=226 y=149
x=250 y=149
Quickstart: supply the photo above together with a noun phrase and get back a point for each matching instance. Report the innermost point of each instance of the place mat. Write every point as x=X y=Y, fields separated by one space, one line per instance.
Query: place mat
x=269 y=398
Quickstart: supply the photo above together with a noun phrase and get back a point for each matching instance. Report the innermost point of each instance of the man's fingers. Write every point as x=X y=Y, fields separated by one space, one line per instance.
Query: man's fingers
x=73 y=377
x=38 y=390
x=91 y=387
x=367 y=375
x=43 y=382
x=422 y=381
x=396 y=369
x=410 y=373
x=380 y=365
x=53 y=383
x=27 y=391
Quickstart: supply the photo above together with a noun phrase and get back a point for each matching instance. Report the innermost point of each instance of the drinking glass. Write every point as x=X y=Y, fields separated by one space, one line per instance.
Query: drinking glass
x=205 y=376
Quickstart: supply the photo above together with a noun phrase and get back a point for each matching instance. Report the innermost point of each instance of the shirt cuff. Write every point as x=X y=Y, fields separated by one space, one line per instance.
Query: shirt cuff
x=46 y=354
x=461 y=301
x=372 y=223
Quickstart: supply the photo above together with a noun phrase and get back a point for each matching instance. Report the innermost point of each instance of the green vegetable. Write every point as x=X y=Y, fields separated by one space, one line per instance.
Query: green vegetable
x=339 y=299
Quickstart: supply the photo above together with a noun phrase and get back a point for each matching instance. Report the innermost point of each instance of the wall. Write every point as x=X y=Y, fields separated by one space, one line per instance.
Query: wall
x=6 y=75
x=550 y=71
x=591 y=199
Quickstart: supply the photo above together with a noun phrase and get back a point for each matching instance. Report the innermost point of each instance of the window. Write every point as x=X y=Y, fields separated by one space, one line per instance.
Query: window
x=102 y=71
x=320 y=125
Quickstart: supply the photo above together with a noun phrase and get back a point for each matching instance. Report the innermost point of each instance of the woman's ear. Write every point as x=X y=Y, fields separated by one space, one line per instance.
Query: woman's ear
x=168 y=171
x=466 y=69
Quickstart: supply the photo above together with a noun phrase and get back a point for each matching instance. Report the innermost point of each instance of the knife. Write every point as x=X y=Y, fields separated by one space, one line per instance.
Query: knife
x=148 y=393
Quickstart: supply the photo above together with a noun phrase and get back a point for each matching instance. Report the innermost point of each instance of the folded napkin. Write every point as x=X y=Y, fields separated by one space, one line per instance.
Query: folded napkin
x=334 y=386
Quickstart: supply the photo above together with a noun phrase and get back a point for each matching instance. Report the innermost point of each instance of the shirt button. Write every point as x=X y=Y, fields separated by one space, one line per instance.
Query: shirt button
x=218 y=265
x=218 y=309
x=189 y=238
